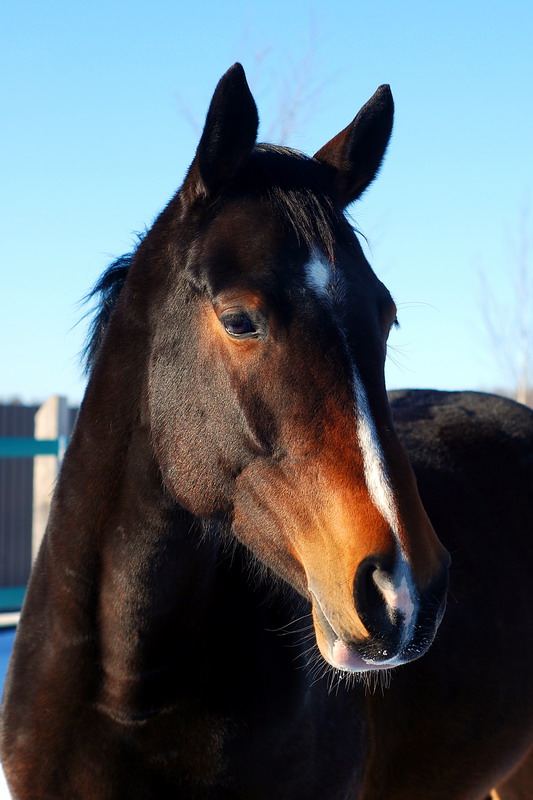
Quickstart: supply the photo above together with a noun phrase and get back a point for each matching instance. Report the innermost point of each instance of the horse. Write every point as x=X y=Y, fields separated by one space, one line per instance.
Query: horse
x=263 y=577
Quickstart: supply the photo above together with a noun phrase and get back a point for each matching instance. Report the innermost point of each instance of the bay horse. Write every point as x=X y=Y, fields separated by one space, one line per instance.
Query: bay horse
x=241 y=591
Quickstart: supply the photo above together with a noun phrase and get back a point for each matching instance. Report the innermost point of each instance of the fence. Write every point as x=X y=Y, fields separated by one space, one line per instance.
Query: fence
x=32 y=442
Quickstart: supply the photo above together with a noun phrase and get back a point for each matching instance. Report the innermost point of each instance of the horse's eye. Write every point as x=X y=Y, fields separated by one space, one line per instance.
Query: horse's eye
x=239 y=324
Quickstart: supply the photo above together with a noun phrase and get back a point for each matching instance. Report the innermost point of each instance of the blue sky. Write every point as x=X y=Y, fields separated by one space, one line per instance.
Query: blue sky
x=100 y=103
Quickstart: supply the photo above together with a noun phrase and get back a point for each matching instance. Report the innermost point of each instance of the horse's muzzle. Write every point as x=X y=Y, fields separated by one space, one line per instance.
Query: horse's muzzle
x=401 y=620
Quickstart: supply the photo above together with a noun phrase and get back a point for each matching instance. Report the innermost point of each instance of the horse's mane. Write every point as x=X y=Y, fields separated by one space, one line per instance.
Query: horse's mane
x=292 y=184
x=107 y=289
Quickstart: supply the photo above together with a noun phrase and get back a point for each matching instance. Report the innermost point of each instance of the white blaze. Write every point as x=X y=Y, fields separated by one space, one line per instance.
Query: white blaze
x=377 y=479
x=397 y=590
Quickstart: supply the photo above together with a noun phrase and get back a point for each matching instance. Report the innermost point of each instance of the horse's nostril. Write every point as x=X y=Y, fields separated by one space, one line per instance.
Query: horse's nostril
x=372 y=582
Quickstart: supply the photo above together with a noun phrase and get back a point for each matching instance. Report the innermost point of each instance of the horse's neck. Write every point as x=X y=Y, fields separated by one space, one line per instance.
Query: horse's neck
x=140 y=573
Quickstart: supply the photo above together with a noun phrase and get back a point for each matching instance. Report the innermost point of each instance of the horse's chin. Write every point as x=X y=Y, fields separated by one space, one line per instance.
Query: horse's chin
x=341 y=656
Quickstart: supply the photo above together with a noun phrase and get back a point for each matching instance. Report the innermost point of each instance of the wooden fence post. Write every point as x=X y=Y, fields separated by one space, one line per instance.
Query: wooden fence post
x=51 y=422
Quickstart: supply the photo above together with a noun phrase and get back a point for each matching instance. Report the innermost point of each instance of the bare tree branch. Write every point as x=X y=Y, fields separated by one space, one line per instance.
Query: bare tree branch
x=509 y=325
x=287 y=81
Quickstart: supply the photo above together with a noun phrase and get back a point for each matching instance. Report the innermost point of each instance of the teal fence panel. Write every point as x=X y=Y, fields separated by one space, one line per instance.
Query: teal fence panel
x=22 y=447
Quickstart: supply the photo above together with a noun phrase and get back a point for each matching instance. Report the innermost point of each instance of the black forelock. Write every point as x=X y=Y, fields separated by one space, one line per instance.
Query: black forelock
x=296 y=188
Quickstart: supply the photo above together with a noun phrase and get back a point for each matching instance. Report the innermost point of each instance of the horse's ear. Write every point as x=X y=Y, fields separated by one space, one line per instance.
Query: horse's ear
x=354 y=156
x=228 y=137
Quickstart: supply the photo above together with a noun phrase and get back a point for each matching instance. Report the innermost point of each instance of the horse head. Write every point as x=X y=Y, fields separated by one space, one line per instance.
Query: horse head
x=265 y=393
